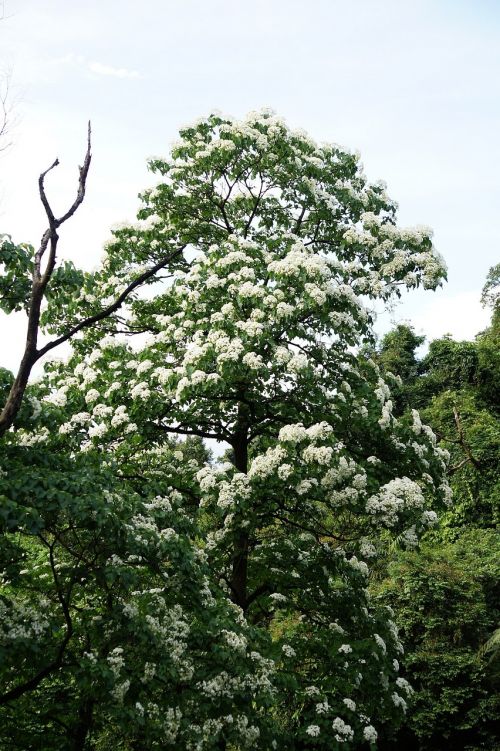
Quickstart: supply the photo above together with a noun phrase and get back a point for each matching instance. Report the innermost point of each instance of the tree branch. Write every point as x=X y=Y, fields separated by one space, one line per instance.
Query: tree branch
x=113 y=307
x=31 y=684
x=39 y=285
x=461 y=439
x=185 y=431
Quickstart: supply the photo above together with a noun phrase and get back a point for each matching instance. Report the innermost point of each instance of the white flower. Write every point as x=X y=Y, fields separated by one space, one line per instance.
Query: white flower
x=115 y=386
x=236 y=641
x=89 y=375
x=385 y=420
x=91 y=396
x=402 y=683
x=318 y=454
x=417 y=422
x=199 y=376
x=313 y=731
x=399 y=701
x=120 y=417
x=319 y=431
x=140 y=391
x=37 y=407
x=284 y=471
x=277 y=597
x=144 y=366
x=370 y=734
x=59 y=397
x=297 y=363
x=393 y=498
x=108 y=341
x=98 y=430
x=282 y=355
x=120 y=690
x=248 y=290
x=101 y=410
x=284 y=310
x=292 y=433
x=409 y=538
x=253 y=361
x=311 y=691
x=367 y=549
x=343 y=731
x=80 y=418
x=345 y=648
x=429 y=518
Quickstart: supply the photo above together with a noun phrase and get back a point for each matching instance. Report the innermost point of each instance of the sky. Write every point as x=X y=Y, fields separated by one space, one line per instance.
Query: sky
x=412 y=84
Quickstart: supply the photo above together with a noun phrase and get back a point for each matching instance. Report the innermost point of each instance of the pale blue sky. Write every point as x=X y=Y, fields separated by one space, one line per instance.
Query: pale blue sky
x=413 y=84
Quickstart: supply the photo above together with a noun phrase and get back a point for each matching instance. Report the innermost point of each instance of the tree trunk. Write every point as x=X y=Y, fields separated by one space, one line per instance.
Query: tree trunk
x=83 y=726
x=240 y=555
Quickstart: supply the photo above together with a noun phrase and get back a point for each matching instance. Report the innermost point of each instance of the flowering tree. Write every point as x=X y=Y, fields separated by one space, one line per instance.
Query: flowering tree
x=250 y=341
x=111 y=630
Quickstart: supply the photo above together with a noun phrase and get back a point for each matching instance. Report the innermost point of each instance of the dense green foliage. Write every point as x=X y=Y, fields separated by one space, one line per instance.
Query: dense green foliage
x=446 y=596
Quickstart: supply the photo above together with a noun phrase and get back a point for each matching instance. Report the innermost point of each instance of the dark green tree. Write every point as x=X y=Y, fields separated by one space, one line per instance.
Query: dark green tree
x=446 y=595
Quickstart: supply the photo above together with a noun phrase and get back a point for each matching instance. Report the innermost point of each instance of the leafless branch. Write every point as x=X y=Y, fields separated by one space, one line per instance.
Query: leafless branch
x=6 y=106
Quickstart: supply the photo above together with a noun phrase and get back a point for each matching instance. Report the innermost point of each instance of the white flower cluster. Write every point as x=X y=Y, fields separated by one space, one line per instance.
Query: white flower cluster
x=21 y=621
x=343 y=731
x=370 y=734
x=313 y=731
x=238 y=642
x=393 y=499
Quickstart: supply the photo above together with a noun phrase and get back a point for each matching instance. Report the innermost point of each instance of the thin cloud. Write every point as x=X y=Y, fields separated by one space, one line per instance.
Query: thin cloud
x=100 y=69
x=109 y=70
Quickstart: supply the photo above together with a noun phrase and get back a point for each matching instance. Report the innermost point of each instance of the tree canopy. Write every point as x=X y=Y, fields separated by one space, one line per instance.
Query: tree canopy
x=155 y=596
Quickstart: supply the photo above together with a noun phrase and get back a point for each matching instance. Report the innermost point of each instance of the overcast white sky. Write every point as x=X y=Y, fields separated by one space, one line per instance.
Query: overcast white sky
x=413 y=84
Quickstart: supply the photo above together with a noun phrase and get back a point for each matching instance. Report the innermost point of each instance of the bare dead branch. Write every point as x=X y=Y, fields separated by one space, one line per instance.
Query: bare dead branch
x=5 y=110
x=82 y=181
x=43 y=197
x=39 y=284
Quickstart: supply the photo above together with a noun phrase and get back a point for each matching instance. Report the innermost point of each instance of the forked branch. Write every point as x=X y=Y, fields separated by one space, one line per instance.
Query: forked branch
x=41 y=278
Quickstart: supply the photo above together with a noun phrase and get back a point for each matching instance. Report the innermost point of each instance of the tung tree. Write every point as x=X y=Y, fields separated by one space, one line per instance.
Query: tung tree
x=250 y=341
